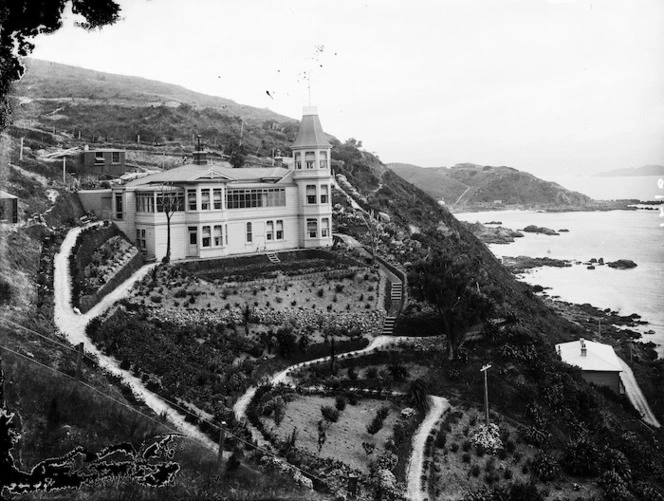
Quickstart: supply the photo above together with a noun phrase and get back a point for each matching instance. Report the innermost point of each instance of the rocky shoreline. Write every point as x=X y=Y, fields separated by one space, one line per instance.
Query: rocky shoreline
x=521 y=264
x=596 y=205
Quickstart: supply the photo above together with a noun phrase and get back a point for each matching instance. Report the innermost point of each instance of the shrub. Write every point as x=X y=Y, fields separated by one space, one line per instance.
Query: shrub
x=339 y=288
x=398 y=372
x=487 y=439
x=340 y=403
x=466 y=445
x=155 y=299
x=454 y=447
x=352 y=374
x=475 y=470
x=508 y=474
x=368 y=447
x=617 y=461
x=614 y=487
x=330 y=413
x=374 y=427
x=502 y=455
x=441 y=439
x=545 y=467
x=372 y=373
x=235 y=460
x=382 y=413
x=581 y=458
x=125 y=365
x=320 y=292
x=466 y=457
x=510 y=446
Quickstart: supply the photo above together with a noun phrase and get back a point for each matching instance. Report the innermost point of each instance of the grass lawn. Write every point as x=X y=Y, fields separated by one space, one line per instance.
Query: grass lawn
x=345 y=437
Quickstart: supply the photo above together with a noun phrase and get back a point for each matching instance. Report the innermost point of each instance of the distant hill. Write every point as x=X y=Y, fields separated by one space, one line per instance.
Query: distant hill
x=467 y=185
x=116 y=109
x=646 y=170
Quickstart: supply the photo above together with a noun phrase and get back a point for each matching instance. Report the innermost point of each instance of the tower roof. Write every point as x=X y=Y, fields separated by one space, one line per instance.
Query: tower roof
x=311 y=132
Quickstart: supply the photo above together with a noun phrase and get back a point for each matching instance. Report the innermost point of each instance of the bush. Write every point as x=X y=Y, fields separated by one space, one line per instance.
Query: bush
x=454 y=447
x=5 y=292
x=320 y=292
x=372 y=373
x=330 y=413
x=235 y=460
x=614 y=487
x=466 y=457
x=340 y=403
x=475 y=470
x=382 y=413
x=374 y=427
x=466 y=445
x=581 y=458
x=545 y=467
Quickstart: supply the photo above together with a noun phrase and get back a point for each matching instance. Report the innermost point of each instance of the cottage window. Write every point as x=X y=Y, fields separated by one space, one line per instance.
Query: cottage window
x=325 y=227
x=205 y=199
x=206 y=236
x=280 y=229
x=298 y=160
x=226 y=233
x=311 y=194
x=250 y=237
x=191 y=200
x=260 y=197
x=116 y=157
x=218 y=240
x=323 y=159
x=216 y=198
x=323 y=194
x=312 y=228
x=118 y=207
x=269 y=234
x=99 y=157
x=310 y=159
x=145 y=202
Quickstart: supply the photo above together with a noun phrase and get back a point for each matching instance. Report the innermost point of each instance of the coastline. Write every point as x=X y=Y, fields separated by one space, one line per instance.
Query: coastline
x=631 y=204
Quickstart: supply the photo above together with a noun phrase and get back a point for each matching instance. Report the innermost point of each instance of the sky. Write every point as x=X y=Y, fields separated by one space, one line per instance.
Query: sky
x=556 y=88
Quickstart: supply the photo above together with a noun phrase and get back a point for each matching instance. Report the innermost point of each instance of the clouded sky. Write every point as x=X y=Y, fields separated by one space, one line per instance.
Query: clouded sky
x=551 y=87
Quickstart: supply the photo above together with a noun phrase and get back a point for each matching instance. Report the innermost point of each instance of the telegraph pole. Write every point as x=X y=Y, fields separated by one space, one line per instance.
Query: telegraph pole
x=222 y=438
x=485 y=369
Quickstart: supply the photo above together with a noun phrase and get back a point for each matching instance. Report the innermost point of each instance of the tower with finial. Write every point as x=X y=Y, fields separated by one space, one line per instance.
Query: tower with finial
x=312 y=174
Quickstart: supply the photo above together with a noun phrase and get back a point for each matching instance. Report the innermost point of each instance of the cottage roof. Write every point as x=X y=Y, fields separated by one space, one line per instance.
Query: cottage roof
x=4 y=194
x=310 y=133
x=598 y=357
x=191 y=173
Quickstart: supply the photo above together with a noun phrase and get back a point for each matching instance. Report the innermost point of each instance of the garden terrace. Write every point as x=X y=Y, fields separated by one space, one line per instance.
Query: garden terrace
x=257 y=267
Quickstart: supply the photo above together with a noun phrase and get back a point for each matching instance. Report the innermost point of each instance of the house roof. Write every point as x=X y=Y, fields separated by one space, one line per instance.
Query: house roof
x=310 y=133
x=599 y=357
x=223 y=172
x=4 y=194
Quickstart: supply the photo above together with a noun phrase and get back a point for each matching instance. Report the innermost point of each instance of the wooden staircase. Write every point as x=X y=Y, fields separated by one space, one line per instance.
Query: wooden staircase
x=388 y=326
x=397 y=290
x=273 y=257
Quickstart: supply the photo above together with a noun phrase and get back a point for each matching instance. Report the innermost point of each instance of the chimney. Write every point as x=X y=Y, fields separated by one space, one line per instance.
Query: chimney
x=200 y=156
x=584 y=351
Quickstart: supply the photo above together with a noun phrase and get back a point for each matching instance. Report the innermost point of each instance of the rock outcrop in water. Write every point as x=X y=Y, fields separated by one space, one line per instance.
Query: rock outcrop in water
x=622 y=264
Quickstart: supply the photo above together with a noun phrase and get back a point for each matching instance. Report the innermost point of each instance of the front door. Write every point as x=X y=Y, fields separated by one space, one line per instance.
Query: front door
x=192 y=245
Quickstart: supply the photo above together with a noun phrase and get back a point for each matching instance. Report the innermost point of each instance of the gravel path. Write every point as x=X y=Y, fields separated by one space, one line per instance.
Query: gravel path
x=73 y=325
x=437 y=407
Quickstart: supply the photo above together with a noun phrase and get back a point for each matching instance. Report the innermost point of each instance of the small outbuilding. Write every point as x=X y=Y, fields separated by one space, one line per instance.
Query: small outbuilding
x=8 y=208
x=599 y=363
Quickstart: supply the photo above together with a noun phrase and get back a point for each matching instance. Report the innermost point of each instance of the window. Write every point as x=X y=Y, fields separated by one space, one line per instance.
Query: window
x=218 y=240
x=99 y=157
x=269 y=234
x=140 y=240
x=205 y=199
x=174 y=202
x=145 y=202
x=261 y=197
x=226 y=233
x=323 y=194
x=191 y=200
x=312 y=228
x=193 y=238
x=325 y=227
x=311 y=194
x=298 y=160
x=216 y=198
x=280 y=229
x=323 y=159
x=250 y=237
x=310 y=159
x=118 y=207
x=206 y=236
x=115 y=157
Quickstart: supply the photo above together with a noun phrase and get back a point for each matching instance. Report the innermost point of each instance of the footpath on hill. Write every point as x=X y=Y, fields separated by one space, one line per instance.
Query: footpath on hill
x=72 y=325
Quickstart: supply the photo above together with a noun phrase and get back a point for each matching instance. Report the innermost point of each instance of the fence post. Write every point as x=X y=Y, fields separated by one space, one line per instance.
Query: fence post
x=222 y=438
x=79 y=359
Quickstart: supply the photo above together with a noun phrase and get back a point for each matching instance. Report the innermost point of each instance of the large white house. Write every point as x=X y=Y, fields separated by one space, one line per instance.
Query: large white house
x=222 y=211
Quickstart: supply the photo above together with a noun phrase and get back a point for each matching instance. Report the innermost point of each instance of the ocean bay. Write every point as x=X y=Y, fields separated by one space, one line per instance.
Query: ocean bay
x=613 y=235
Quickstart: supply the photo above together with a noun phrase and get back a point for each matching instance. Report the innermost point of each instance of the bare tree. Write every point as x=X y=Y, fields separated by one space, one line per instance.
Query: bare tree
x=169 y=201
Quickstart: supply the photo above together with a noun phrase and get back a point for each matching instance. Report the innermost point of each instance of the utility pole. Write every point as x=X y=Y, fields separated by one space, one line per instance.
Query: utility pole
x=485 y=369
x=20 y=154
x=79 y=359
x=222 y=438
x=64 y=170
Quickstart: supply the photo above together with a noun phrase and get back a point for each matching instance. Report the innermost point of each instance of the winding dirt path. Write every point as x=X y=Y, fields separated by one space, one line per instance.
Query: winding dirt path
x=437 y=407
x=73 y=326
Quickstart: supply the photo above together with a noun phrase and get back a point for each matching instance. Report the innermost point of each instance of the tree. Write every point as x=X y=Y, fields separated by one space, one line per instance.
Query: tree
x=22 y=20
x=236 y=153
x=417 y=395
x=169 y=200
x=452 y=286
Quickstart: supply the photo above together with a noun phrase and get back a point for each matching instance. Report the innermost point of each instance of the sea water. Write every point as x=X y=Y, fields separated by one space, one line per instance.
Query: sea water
x=612 y=235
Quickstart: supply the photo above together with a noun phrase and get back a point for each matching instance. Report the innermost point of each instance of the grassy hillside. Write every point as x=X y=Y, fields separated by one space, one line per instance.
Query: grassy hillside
x=467 y=185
